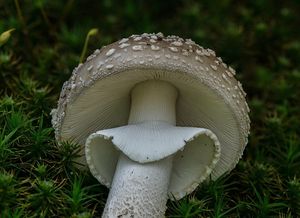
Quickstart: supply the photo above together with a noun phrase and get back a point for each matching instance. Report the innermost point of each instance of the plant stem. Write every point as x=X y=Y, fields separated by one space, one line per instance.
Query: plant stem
x=92 y=32
x=24 y=26
x=141 y=190
x=20 y=15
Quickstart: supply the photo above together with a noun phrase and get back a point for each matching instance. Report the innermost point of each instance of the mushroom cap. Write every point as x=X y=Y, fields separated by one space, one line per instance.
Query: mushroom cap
x=97 y=96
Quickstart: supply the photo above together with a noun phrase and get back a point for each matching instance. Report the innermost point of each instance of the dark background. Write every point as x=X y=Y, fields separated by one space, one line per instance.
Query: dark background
x=260 y=39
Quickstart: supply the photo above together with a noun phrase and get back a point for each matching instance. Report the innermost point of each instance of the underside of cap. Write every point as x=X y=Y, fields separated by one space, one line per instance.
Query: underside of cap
x=196 y=151
x=97 y=96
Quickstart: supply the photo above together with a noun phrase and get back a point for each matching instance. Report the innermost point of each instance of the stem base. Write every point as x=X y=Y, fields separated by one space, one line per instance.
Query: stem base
x=139 y=190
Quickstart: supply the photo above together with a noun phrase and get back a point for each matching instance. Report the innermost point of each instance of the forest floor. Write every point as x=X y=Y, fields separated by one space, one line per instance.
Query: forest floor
x=260 y=39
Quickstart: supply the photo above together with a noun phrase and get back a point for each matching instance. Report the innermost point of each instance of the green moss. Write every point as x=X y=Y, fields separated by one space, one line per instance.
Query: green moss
x=38 y=178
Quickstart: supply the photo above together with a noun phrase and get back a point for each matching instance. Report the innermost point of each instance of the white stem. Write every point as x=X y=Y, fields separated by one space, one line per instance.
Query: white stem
x=153 y=101
x=140 y=190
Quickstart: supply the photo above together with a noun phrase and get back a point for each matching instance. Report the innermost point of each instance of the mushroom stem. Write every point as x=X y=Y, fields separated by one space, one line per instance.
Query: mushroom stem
x=153 y=100
x=139 y=190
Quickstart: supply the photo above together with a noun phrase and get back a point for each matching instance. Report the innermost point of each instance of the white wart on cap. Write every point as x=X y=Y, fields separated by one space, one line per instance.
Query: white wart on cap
x=97 y=98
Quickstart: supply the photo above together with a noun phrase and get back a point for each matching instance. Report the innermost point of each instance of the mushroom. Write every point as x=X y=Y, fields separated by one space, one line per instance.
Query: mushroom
x=156 y=116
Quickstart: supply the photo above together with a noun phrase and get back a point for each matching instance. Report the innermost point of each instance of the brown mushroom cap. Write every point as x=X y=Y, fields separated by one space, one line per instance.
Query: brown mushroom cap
x=97 y=96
